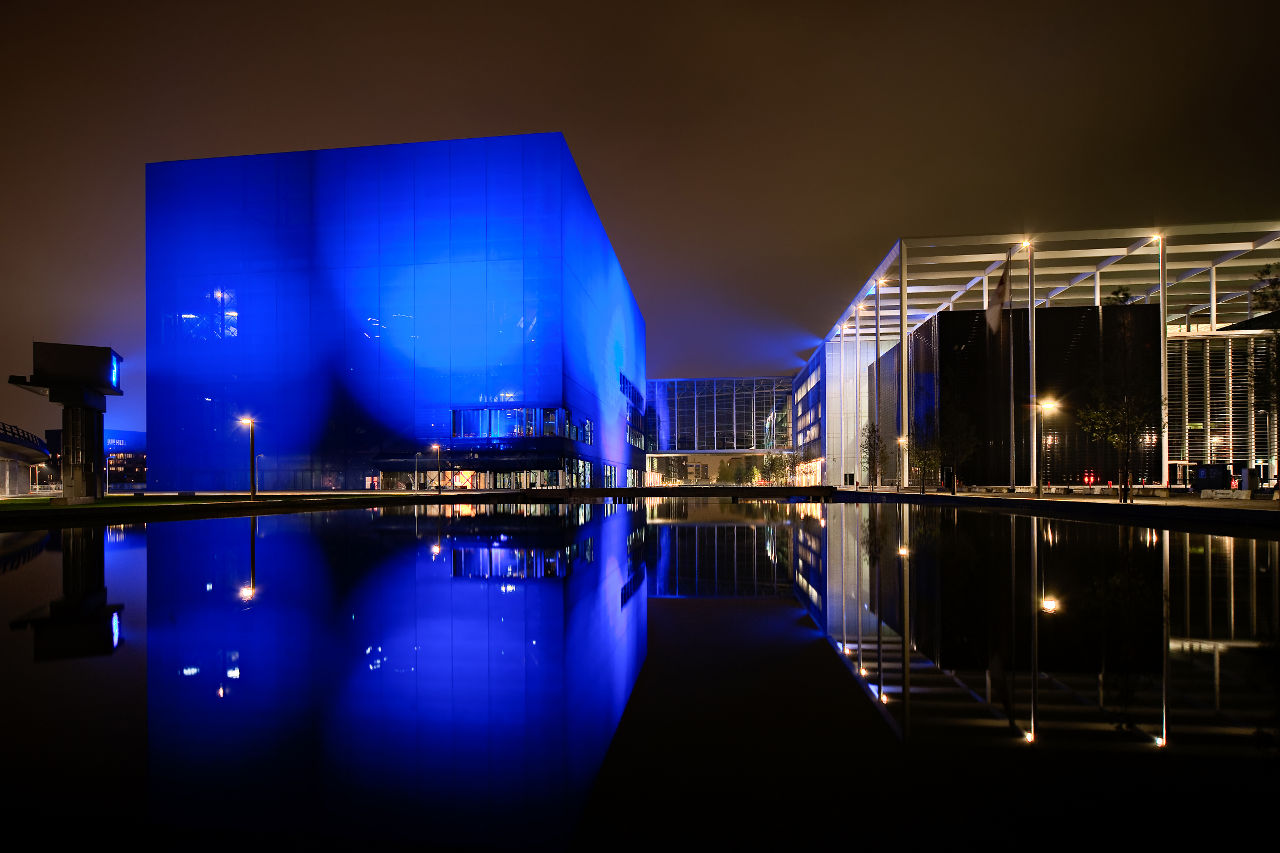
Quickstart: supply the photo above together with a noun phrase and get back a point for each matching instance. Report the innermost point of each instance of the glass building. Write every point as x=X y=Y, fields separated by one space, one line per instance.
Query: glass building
x=692 y=425
x=372 y=308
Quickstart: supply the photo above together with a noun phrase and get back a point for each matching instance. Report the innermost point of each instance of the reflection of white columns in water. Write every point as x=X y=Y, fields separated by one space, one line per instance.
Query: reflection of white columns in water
x=1208 y=586
x=857 y=581
x=844 y=566
x=1010 y=671
x=1273 y=562
x=1231 y=587
x=1186 y=584
x=1035 y=624
x=1253 y=588
x=904 y=560
x=1164 y=673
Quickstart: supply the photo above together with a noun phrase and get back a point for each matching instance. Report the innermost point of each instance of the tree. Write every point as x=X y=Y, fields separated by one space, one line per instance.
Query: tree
x=926 y=460
x=1119 y=296
x=1266 y=366
x=1121 y=418
x=875 y=454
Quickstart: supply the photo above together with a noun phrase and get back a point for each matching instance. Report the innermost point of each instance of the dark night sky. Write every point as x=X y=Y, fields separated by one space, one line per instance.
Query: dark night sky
x=751 y=162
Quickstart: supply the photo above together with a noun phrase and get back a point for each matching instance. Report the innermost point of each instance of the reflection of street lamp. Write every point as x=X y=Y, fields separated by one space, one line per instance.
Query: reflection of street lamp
x=416 y=456
x=253 y=459
x=436 y=448
x=1042 y=409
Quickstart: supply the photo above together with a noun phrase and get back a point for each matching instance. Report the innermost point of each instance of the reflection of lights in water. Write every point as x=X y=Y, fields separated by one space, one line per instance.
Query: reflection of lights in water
x=863 y=672
x=115 y=630
x=902 y=552
x=221 y=692
x=208 y=587
x=884 y=698
x=435 y=549
x=234 y=672
x=1160 y=742
x=1030 y=737
x=507 y=587
x=246 y=593
x=1049 y=604
x=191 y=670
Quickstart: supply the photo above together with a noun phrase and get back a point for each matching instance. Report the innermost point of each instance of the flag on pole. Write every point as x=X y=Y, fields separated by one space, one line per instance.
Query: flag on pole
x=996 y=305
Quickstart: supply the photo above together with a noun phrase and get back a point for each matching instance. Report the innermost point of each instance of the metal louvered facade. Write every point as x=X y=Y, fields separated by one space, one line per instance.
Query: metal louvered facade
x=1218 y=411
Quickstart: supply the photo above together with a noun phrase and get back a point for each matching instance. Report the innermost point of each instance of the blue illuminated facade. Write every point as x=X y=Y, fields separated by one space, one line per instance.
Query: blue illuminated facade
x=365 y=304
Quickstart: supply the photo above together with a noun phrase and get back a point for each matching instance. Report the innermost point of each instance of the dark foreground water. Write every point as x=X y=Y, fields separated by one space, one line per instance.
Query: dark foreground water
x=457 y=675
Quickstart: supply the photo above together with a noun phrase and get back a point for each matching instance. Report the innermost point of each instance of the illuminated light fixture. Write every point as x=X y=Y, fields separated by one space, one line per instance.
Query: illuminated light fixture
x=246 y=593
x=863 y=672
x=221 y=692
x=1161 y=742
x=435 y=549
x=1031 y=738
x=1049 y=404
x=208 y=587
x=902 y=439
x=115 y=630
x=1049 y=604
x=246 y=420
x=884 y=698
x=1155 y=238
x=1026 y=244
x=902 y=552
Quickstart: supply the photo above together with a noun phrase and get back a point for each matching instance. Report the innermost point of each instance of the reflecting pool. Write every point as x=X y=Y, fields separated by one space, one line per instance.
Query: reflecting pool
x=1063 y=633
x=454 y=677
x=456 y=674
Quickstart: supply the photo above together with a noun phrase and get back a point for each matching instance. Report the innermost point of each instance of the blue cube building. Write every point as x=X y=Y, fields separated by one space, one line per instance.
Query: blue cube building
x=363 y=305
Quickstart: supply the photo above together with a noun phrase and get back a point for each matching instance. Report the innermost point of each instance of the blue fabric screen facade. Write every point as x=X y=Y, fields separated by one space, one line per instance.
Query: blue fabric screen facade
x=363 y=304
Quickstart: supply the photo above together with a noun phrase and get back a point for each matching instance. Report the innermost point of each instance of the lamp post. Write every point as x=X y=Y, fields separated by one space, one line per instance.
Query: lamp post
x=1042 y=408
x=416 y=456
x=253 y=459
x=436 y=448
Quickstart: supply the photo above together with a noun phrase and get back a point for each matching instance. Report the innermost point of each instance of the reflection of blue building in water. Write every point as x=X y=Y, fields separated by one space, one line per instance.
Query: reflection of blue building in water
x=366 y=304
x=457 y=678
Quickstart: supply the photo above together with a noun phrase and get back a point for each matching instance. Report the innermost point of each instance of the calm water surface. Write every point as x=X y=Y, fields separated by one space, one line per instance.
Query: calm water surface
x=457 y=675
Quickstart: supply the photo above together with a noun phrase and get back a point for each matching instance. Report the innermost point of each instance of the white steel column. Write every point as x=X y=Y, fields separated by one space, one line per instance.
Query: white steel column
x=1213 y=299
x=1033 y=445
x=903 y=408
x=1097 y=288
x=1164 y=363
x=879 y=284
x=857 y=398
x=844 y=442
x=984 y=291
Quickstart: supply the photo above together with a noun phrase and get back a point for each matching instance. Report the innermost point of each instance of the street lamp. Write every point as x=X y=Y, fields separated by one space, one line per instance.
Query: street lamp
x=436 y=448
x=416 y=456
x=253 y=459
x=1046 y=407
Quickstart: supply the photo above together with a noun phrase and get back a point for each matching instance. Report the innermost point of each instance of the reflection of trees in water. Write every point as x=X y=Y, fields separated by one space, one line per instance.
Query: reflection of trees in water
x=1121 y=612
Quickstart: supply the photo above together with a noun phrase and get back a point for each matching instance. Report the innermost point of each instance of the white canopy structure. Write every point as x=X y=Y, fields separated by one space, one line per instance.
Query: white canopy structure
x=1203 y=277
